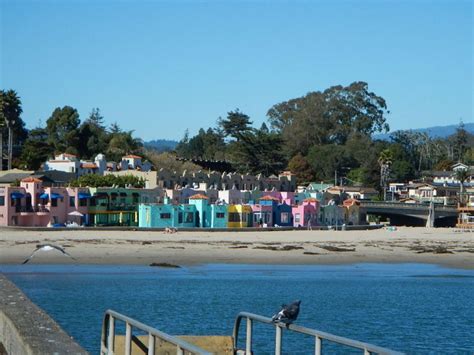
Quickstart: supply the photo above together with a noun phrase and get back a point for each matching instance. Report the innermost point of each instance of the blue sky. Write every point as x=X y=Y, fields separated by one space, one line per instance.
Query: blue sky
x=160 y=67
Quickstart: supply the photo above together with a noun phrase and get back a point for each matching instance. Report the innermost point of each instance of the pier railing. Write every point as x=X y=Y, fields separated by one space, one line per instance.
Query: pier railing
x=107 y=342
x=318 y=336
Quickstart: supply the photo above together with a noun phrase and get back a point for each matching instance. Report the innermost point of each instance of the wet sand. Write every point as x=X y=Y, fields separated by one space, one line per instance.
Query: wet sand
x=444 y=246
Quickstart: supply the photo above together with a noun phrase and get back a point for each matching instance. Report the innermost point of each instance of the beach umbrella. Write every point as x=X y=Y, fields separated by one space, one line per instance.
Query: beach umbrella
x=76 y=213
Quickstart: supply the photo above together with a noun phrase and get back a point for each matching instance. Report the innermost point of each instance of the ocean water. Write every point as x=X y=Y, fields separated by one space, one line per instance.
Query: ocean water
x=414 y=308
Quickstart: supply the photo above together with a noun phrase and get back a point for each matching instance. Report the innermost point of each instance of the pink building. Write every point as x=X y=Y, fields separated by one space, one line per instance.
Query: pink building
x=308 y=211
x=262 y=215
x=32 y=205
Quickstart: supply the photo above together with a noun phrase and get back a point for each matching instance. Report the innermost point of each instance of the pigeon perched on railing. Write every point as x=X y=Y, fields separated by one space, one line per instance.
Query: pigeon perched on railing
x=288 y=313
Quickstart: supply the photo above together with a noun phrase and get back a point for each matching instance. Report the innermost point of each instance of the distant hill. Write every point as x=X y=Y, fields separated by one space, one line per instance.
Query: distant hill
x=161 y=145
x=434 y=132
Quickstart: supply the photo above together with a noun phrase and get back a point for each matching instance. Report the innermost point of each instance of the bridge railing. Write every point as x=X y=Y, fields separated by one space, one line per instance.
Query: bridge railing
x=387 y=204
x=107 y=342
x=318 y=336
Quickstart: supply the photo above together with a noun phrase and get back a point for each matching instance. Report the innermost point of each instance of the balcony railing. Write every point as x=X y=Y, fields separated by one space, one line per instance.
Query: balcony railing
x=31 y=209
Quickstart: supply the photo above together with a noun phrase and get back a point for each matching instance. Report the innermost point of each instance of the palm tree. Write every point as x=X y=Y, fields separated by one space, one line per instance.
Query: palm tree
x=10 y=105
x=461 y=175
x=385 y=160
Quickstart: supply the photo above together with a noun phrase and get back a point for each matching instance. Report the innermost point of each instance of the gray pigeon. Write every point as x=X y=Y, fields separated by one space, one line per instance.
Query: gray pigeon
x=288 y=313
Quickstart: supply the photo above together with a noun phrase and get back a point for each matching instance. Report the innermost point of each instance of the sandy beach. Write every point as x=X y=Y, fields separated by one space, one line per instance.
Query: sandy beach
x=442 y=246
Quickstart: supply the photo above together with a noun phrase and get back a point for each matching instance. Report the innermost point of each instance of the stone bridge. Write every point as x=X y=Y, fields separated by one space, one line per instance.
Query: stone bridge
x=412 y=214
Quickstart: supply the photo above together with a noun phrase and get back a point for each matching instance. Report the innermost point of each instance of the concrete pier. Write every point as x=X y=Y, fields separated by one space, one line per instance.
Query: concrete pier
x=25 y=329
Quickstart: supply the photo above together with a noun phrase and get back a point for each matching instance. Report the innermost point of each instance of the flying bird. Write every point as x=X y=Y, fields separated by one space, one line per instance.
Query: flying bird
x=46 y=247
x=288 y=313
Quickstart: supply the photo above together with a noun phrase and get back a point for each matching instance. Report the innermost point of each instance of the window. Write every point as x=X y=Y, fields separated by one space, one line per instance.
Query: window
x=82 y=202
x=297 y=217
x=2 y=200
x=180 y=217
x=234 y=217
x=284 y=217
x=189 y=217
x=165 y=215
x=220 y=215
x=54 y=202
x=72 y=201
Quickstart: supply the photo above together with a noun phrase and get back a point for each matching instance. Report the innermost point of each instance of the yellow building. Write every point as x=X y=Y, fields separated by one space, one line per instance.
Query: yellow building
x=240 y=216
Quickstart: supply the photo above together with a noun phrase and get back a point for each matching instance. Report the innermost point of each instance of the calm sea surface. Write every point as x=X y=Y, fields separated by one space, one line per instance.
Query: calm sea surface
x=415 y=308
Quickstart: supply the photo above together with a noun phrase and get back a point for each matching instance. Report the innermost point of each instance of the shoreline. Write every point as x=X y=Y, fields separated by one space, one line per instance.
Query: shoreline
x=441 y=246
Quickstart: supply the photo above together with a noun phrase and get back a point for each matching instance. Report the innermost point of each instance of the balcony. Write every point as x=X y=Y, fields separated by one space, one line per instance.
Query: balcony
x=25 y=210
x=113 y=207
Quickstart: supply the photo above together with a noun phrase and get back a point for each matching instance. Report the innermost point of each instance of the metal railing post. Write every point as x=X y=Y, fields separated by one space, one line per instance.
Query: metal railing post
x=248 y=340
x=319 y=336
x=318 y=346
x=151 y=344
x=111 y=338
x=128 y=339
x=278 y=340
x=107 y=346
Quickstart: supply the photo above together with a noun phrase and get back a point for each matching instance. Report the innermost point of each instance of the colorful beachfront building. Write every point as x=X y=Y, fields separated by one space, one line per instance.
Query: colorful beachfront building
x=167 y=216
x=240 y=216
x=306 y=214
x=281 y=212
x=332 y=215
x=262 y=215
x=352 y=213
x=118 y=206
x=33 y=205
x=209 y=215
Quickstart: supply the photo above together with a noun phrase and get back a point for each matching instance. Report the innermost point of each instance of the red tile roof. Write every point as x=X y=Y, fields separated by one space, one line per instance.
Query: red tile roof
x=88 y=166
x=132 y=156
x=351 y=202
x=269 y=198
x=199 y=197
x=310 y=199
x=69 y=155
x=30 y=179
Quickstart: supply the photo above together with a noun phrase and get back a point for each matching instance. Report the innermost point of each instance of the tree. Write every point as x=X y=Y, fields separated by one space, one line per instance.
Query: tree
x=460 y=142
x=123 y=143
x=301 y=168
x=329 y=117
x=329 y=160
x=63 y=132
x=93 y=135
x=385 y=161
x=36 y=149
x=11 y=123
x=168 y=161
x=462 y=175
x=236 y=125
x=94 y=180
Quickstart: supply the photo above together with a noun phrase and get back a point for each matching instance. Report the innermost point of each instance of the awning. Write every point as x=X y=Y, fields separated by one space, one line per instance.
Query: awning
x=16 y=195
x=84 y=195
x=54 y=195
x=44 y=196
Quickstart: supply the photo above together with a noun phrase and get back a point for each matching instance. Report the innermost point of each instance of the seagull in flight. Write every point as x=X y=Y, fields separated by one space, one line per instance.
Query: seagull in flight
x=288 y=313
x=47 y=247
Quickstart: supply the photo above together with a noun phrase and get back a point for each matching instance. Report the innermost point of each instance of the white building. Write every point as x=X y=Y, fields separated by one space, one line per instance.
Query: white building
x=71 y=164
